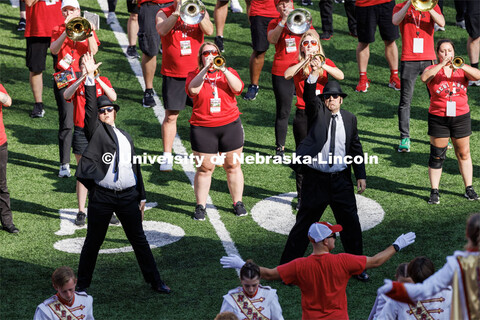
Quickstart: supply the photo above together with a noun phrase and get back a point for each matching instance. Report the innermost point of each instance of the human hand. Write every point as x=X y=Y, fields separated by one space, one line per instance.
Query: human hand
x=89 y=64
x=405 y=240
x=142 y=208
x=386 y=288
x=232 y=261
x=361 y=185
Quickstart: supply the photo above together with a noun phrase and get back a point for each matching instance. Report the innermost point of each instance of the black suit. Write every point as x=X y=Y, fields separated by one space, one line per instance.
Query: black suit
x=103 y=202
x=322 y=189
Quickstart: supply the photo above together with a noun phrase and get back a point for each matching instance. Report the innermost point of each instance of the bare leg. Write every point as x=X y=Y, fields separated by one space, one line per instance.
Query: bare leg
x=435 y=174
x=363 y=55
x=169 y=129
x=203 y=178
x=257 y=60
x=391 y=54
x=220 y=16
x=149 y=65
x=36 y=83
x=81 y=190
x=462 y=151
x=132 y=29
x=473 y=49
x=234 y=174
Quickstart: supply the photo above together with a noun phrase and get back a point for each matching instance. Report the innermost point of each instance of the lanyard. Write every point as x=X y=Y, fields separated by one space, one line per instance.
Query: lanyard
x=417 y=24
x=213 y=85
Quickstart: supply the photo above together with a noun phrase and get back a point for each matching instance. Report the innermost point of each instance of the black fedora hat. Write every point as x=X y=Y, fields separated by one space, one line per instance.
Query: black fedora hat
x=103 y=101
x=333 y=87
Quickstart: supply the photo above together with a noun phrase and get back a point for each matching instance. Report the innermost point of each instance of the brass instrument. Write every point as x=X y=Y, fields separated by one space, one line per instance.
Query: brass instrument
x=78 y=29
x=219 y=62
x=424 y=5
x=458 y=62
x=299 y=21
x=309 y=59
x=192 y=12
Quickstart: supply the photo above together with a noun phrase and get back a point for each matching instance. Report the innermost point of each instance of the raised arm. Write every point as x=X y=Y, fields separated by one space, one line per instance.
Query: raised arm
x=383 y=256
x=397 y=18
x=164 y=24
x=206 y=25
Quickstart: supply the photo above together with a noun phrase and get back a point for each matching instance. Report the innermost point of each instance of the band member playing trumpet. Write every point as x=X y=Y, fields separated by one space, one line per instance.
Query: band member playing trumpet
x=67 y=69
x=180 y=43
x=311 y=55
x=215 y=126
x=286 y=52
x=449 y=116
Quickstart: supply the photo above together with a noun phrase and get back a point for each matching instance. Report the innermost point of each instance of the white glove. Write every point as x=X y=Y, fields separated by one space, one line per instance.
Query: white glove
x=405 y=240
x=232 y=261
x=386 y=288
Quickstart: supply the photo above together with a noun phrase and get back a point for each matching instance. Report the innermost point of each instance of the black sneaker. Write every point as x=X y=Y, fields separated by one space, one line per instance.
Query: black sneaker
x=11 y=229
x=200 y=213
x=470 y=194
x=37 y=111
x=132 y=52
x=22 y=23
x=326 y=36
x=148 y=100
x=239 y=209
x=434 y=197
x=219 y=43
x=251 y=92
x=80 y=219
x=114 y=220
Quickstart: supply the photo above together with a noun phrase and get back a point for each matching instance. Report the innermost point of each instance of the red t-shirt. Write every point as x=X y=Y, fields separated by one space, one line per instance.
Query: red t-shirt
x=174 y=62
x=299 y=80
x=441 y=86
x=3 y=135
x=75 y=48
x=284 y=58
x=42 y=17
x=408 y=28
x=201 y=113
x=263 y=8
x=79 y=101
x=154 y=1
x=369 y=3
x=323 y=280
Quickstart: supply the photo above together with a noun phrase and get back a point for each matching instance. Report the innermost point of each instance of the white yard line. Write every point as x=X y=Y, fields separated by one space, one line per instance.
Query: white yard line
x=178 y=148
x=15 y=3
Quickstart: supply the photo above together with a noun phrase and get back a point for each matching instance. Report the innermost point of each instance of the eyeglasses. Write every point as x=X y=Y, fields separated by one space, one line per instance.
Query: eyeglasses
x=306 y=42
x=327 y=96
x=105 y=110
x=206 y=53
x=334 y=236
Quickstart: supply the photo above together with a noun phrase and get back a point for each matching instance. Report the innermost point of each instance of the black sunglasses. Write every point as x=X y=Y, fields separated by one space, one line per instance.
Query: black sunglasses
x=327 y=96
x=334 y=236
x=105 y=110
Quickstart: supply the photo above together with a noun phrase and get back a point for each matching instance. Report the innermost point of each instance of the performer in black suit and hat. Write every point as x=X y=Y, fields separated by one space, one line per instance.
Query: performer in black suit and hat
x=114 y=183
x=332 y=133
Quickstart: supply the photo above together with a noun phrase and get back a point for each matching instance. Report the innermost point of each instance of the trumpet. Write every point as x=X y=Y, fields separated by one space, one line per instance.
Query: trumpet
x=192 y=12
x=458 y=62
x=299 y=21
x=309 y=59
x=78 y=29
x=424 y=5
x=219 y=62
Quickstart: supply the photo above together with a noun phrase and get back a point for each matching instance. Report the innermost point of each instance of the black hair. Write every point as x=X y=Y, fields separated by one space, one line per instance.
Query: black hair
x=250 y=270
x=420 y=269
x=473 y=229
x=442 y=41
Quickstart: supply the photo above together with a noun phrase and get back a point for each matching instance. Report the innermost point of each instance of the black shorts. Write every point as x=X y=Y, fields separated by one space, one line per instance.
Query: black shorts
x=258 y=30
x=217 y=139
x=174 y=95
x=472 y=18
x=79 y=142
x=148 y=37
x=132 y=6
x=369 y=17
x=454 y=127
x=36 y=54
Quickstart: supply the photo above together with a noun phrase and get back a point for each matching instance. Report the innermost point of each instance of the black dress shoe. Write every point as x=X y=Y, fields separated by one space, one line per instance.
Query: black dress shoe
x=11 y=229
x=161 y=287
x=364 y=277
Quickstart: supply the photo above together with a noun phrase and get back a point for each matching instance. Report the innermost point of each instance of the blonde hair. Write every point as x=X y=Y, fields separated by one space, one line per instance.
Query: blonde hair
x=301 y=53
x=62 y=275
x=199 y=58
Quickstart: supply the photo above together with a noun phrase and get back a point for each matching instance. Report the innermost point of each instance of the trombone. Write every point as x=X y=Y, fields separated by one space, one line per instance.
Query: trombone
x=192 y=12
x=308 y=60
x=78 y=29
x=424 y=5
x=299 y=21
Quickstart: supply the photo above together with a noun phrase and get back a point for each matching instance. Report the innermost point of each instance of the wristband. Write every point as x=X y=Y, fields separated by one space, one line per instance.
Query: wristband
x=281 y=25
x=396 y=247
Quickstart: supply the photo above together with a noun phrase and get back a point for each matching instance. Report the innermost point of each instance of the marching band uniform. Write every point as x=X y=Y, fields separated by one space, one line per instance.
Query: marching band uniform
x=56 y=308
x=263 y=306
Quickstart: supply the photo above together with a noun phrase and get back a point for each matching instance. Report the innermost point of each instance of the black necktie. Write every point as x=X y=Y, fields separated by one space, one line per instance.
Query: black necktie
x=333 y=129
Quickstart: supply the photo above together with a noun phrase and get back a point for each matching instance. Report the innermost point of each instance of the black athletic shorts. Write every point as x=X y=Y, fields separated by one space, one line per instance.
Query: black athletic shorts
x=454 y=127
x=36 y=54
x=217 y=139
x=148 y=37
x=132 y=6
x=79 y=142
x=174 y=95
x=258 y=30
x=472 y=18
x=369 y=17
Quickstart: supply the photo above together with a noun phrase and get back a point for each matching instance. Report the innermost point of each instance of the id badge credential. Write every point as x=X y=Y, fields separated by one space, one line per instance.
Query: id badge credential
x=215 y=105
x=417 y=45
x=451 y=108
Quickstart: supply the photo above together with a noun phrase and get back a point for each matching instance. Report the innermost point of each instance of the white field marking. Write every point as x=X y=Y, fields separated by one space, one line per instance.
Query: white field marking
x=275 y=213
x=178 y=148
x=15 y=3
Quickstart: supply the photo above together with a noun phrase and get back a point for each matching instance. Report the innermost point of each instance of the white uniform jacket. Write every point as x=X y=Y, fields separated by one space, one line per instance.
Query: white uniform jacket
x=53 y=309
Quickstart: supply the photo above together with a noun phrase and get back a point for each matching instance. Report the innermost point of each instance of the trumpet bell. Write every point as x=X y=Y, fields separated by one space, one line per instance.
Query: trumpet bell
x=458 y=62
x=424 y=5
x=192 y=11
x=219 y=61
x=299 y=21
x=78 y=29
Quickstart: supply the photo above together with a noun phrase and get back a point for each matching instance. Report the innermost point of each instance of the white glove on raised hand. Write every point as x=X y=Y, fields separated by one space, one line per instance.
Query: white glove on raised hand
x=232 y=261
x=386 y=288
x=405 y=240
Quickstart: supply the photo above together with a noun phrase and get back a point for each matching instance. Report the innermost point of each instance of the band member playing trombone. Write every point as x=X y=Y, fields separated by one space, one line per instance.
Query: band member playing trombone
x=69 y=51
x=449 y=116
x=286 y=43
x=311 y=54
x=215 y=125
x=182 y=29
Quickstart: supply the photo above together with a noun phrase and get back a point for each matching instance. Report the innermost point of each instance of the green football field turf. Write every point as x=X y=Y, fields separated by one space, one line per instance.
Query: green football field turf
x=189 y=264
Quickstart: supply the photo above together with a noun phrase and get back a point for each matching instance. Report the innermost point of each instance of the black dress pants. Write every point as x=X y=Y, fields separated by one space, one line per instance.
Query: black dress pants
x=101 y=205
x=283 y=90
x=5 y=211
x=326 y=14
x=318 y=191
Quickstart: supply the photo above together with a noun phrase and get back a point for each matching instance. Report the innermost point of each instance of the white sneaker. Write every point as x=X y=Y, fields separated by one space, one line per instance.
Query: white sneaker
x=64 y=171
x=167 y=165
x=438 y=28
x=474 y=83
x=235 y=6
x=111 y=17
x=461 y=24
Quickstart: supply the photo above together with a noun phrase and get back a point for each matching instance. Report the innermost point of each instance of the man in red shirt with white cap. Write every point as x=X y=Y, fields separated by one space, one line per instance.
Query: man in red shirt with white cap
x=322 y=277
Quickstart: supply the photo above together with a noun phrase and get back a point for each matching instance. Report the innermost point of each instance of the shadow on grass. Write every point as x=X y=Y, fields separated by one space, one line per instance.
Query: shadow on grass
x=27 y=135
x=33 y=208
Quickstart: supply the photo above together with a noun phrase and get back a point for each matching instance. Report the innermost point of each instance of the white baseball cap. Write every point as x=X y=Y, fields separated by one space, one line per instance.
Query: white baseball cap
x=321 y=230
x=70 y=3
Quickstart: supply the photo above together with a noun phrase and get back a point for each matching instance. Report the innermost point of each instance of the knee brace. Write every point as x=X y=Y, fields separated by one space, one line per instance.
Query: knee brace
x=437 y=156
